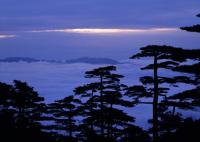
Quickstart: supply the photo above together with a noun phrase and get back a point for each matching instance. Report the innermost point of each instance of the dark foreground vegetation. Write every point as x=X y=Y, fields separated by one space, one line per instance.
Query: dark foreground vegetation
x=95 y=113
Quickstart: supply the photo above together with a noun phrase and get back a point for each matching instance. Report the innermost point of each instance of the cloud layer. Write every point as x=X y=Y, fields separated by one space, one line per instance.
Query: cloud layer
x=56 y=81
x=110 y=31
x=6 y=36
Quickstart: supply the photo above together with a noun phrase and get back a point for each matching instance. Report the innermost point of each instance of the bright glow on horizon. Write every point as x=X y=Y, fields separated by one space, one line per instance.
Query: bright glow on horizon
x=7 y=36
x=109 y=31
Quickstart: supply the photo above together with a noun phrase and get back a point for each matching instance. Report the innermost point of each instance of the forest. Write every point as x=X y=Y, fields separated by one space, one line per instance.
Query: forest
x=95 y=113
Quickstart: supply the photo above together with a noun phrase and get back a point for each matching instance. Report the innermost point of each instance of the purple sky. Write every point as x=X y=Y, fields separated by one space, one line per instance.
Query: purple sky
x=19 y=17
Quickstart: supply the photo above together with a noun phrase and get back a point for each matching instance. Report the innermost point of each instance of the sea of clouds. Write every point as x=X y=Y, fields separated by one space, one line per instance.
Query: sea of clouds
x=56 y=81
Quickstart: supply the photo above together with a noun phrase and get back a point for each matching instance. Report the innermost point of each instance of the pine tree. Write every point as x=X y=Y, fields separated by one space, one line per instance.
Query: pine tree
x=194 y=28
x=194 y=70
x=102 y=100
x=29 y=105
x=88 y=110
x=186 y=129
x=21 y=113
x=100 y=74
x=6 y=112
x=164 y=57
x=64 y=112
x=113 y=99
x=192 y=54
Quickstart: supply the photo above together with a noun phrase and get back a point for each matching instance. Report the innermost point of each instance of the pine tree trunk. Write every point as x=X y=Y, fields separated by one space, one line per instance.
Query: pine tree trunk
x=155 y=101
x=70 y=125
x=111 y=125
x=174 y=110
x=101 y=103
x=91 y=110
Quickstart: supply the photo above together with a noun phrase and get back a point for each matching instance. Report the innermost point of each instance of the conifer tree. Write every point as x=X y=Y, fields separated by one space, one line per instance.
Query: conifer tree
x=100 y=74
x=29 y=105
x=21 y=113
x=163 y=57
x=188 y=99
x=194 y=28
x=64 y=112
x=102 y=98
x=6 y=112
x=192 y=69
x=88 y=110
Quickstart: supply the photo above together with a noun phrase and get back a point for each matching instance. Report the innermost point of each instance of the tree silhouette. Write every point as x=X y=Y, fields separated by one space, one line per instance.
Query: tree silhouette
x=174 y=127
x=21 y=111
x=100 y=74
x=134 y=134
x=188 y=130
x=64 y=112
x=194 y=28
x=88 y=109
x=192 y=54
x=194 y=70
x=164 y=57
x=6 y=112
x=102 y=101
x=29 y=105
x=113 y=99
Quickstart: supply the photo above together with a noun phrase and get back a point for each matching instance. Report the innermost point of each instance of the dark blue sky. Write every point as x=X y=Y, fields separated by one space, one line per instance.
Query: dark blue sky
x=19 y=17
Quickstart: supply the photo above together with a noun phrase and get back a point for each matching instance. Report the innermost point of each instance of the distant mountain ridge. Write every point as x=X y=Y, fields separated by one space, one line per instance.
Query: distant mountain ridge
x=87 y=60
x=25 y=59
x=91 y=60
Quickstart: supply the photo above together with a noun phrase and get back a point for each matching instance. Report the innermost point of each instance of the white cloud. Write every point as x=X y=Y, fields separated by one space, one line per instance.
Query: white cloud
x=109 y=31
x=6 y=36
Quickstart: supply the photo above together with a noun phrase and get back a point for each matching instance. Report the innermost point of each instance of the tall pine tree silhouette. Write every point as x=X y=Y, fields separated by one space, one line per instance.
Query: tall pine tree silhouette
x=163 y=57
x=103 y=99
x=100 y=74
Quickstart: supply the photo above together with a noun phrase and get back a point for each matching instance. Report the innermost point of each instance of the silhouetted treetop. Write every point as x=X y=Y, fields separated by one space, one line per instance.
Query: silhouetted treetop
x=25 y=96
x=162 y=52
x=102 y=71
x=194 y=28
